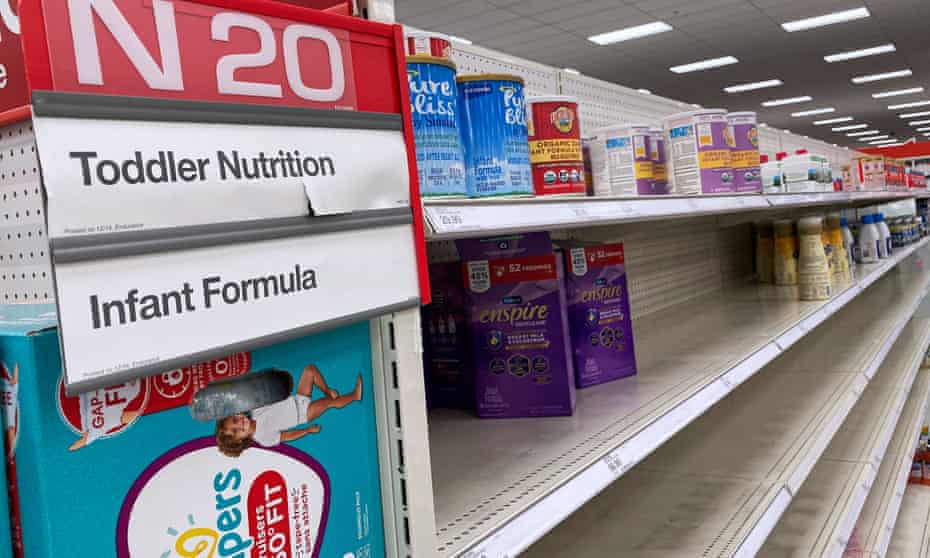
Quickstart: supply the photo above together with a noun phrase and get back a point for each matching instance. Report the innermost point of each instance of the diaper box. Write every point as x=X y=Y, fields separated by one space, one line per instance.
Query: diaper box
x=127 y=471
x=518 y=327
x=599 y=313
x=449 y=372
x=6 y=538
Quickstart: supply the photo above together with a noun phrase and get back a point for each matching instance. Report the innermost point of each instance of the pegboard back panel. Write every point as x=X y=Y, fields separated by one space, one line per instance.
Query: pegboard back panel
x=769 y=141
x=25 y=266
x=602 y=103
x=539 y=79
x=668 y=262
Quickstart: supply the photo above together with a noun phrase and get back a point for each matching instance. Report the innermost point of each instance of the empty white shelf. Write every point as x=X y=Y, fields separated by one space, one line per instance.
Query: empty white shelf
x=719 y=487
x=497 y=503
x=821 y=517
x=460 y=218
x=911 y=536
x=880 y=512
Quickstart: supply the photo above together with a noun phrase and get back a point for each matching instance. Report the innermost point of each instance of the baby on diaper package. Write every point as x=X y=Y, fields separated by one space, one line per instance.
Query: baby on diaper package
x=272 y=452
x=518 y=326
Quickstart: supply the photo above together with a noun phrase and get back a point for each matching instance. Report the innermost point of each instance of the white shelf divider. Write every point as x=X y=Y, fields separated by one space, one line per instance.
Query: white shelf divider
x=880 y=511
x=911 y=536
x=542 y=470
x=450 y=218
x=822 y=515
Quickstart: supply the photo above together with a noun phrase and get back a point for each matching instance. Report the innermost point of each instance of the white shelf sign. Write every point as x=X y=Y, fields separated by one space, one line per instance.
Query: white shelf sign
x=194 y=209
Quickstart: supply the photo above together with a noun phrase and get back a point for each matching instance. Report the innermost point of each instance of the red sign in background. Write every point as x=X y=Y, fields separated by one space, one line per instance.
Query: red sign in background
x=14 y=92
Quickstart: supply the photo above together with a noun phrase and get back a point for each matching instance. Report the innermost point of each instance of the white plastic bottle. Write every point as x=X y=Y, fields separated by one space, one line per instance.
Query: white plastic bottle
x=869 y=241
x=849 y=243
x=885 y=232
x=813 y=267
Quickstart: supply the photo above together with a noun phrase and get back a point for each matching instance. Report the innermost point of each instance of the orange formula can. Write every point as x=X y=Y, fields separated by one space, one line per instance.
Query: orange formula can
x=555 y=145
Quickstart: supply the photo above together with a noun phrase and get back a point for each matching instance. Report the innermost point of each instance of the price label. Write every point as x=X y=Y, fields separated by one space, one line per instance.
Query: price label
x=579 y=212
x=614 y=463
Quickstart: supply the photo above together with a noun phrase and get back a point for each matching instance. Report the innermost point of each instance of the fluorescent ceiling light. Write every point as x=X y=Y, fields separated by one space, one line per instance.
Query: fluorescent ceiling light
x=915 y=114
x=862 y=53
x=909 y=105
x=789 y=101
x=927 y=129
x=753 y=86
x=813 y=112
x=879 y=142
x=462 y=40
x=704 y=65
x=645 y=91
x=863 y=133
x=897 y=92
x=571 y=71
x=847 y=128
x=879 y=77
x=828 y=19
x=629 y=33
x=918 y=122
x=834 y=120
x=874 y=138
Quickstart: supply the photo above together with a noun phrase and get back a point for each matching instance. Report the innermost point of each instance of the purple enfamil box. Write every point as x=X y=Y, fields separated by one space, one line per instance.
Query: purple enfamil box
x=519 y=334
x=599 y=313
x=509 y=246
x=747 y=172
x=450 y=376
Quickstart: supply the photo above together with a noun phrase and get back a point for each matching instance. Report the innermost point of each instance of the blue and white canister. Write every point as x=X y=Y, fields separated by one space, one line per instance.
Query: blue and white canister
x=494 y=135
x=436 y=134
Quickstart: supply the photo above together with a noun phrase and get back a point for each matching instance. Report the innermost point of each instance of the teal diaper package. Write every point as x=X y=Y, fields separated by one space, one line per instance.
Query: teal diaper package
x=128 y=471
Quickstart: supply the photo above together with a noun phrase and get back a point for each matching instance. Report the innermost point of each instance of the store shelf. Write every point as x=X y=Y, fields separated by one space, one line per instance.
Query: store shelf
x=498 y=503
x=718 y=488
x=460 y=218
x=820 y=520
x=880 y=512
x=911 y=536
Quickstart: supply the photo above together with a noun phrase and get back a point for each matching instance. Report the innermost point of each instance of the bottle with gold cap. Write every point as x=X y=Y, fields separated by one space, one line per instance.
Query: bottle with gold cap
x=786 y=253
x=765 y=252
x=840 y=259
x=813 y=267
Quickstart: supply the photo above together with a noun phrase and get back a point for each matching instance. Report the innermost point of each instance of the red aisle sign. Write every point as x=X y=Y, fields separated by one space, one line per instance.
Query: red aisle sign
x=232 y=51
x=14 y=93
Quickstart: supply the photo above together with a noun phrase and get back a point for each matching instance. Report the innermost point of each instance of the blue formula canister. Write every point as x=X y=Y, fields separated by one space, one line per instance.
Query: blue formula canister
x=433 y=107
x=493 y=118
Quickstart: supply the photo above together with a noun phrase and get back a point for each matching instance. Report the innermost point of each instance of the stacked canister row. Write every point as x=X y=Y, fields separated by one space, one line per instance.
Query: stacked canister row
x=700 y=152
x=478 y=136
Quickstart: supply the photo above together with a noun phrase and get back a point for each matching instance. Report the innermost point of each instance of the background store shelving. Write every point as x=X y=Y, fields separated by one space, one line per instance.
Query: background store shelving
x=720 y=486
x=499 y=486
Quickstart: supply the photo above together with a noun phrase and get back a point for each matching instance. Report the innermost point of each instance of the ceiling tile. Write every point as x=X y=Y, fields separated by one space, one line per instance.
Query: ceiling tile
x=570 y=10
x=554 y=32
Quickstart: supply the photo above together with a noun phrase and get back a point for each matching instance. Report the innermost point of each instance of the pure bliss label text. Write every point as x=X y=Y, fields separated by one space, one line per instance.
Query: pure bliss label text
x=213 y=291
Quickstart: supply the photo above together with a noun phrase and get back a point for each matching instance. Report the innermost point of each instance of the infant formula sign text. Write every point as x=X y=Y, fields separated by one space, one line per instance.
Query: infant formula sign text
x=217 y=300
